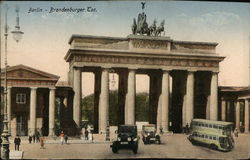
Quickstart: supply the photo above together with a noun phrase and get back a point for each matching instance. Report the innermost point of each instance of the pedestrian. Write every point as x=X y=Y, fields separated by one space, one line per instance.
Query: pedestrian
x=86 y=134
x=236 y=132
x=187 y=128
x=30 y=139
x=83 y=133
x=65 y=138
x=37 y=137
x=34 y=138
x=42 y=140
x=62 y=137
x=17 y=142
x=161 y=130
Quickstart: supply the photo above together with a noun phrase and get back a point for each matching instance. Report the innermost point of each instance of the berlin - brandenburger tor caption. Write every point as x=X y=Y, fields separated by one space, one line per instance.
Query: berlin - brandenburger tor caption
x=63 y=9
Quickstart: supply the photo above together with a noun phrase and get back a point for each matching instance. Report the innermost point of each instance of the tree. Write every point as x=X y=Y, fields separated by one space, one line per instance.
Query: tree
x=141 y=111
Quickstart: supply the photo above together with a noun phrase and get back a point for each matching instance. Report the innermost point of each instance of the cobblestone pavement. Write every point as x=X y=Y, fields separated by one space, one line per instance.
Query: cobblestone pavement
x=174 y=146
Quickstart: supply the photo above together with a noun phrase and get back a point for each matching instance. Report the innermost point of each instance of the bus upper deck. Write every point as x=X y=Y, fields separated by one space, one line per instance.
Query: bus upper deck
x=221 y=127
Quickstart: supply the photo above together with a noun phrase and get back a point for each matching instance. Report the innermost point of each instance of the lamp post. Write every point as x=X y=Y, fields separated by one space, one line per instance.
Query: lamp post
x=17 y=35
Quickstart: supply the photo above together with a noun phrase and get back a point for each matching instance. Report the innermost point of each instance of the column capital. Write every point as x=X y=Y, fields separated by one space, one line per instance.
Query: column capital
x=214 y=72
x=9 y=87
x=76 y=67
x=191 y=71
x=106 y=69
x=132 y=68
x=52 y=88
x=166 y=70
x=33 y=88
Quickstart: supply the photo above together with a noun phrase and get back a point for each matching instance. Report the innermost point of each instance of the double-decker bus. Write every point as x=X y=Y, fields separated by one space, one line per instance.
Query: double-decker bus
x=220 y=127
x=214 y=134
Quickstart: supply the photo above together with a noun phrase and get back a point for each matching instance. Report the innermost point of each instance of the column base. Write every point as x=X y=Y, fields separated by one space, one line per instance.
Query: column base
x=51 y=133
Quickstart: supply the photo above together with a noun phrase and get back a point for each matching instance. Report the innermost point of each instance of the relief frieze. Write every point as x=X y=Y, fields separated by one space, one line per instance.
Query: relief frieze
x=149 y=44
x=146 y=61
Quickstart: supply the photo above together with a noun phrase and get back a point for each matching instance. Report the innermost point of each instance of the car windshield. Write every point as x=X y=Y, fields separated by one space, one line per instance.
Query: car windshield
x=127 y=129
x=149 y=128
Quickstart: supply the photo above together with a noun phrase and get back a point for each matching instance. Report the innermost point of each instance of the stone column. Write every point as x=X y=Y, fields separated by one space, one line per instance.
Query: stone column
x=223 y=109
x=52 y=111
x=159 y=114
x=246 y=116
x=190 y=97
x=184 y=110
x=32 y=127
x=165 y=101
x=9 y=109
x=130 y=99
x=228 y=111
x=208 y=107
x=104 y=101
x=214 y=97
x=77 y=85
x=237 y=115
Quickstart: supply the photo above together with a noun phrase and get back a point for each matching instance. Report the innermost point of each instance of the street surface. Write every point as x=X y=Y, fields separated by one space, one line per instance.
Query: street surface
x=173 y=146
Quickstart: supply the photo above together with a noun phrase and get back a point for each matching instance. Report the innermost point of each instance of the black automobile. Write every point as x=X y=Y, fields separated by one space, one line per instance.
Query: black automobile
x=126 y=139
x=149 y=134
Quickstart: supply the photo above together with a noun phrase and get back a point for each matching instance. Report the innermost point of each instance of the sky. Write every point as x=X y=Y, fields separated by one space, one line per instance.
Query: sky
x=46 y=33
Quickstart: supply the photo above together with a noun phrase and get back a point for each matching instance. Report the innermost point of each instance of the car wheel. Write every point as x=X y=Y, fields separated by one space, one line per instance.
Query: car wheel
x=213 y=146
x=159 y=141
x=135 y=149
x=114 y=149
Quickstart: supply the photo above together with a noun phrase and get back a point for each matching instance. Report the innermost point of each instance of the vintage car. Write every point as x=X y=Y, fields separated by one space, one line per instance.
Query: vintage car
x=127 y=138
x=149 y=134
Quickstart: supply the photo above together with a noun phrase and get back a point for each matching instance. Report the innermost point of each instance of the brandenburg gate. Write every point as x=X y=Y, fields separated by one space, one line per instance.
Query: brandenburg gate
x=183 y=77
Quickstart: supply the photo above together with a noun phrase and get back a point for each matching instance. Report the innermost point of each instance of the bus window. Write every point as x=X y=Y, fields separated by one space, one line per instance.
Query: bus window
x=215 y=126
x=210 y=126
x=206 y=125
x=220 y=127
x=202 y=125
x=206 y=136
x=202 y=136
x=210 y=137
x=214 y=138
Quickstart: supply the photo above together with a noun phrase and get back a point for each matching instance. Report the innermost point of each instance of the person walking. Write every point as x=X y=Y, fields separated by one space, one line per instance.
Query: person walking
x=34 y=138
x=236 y=132
x=86 y=134
x=187 y=128
x=17 y=142
x=30 y=139
x=38 y=136
x=66 y=138
x=83 y=133
x=62 y=137
x=42 y=140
